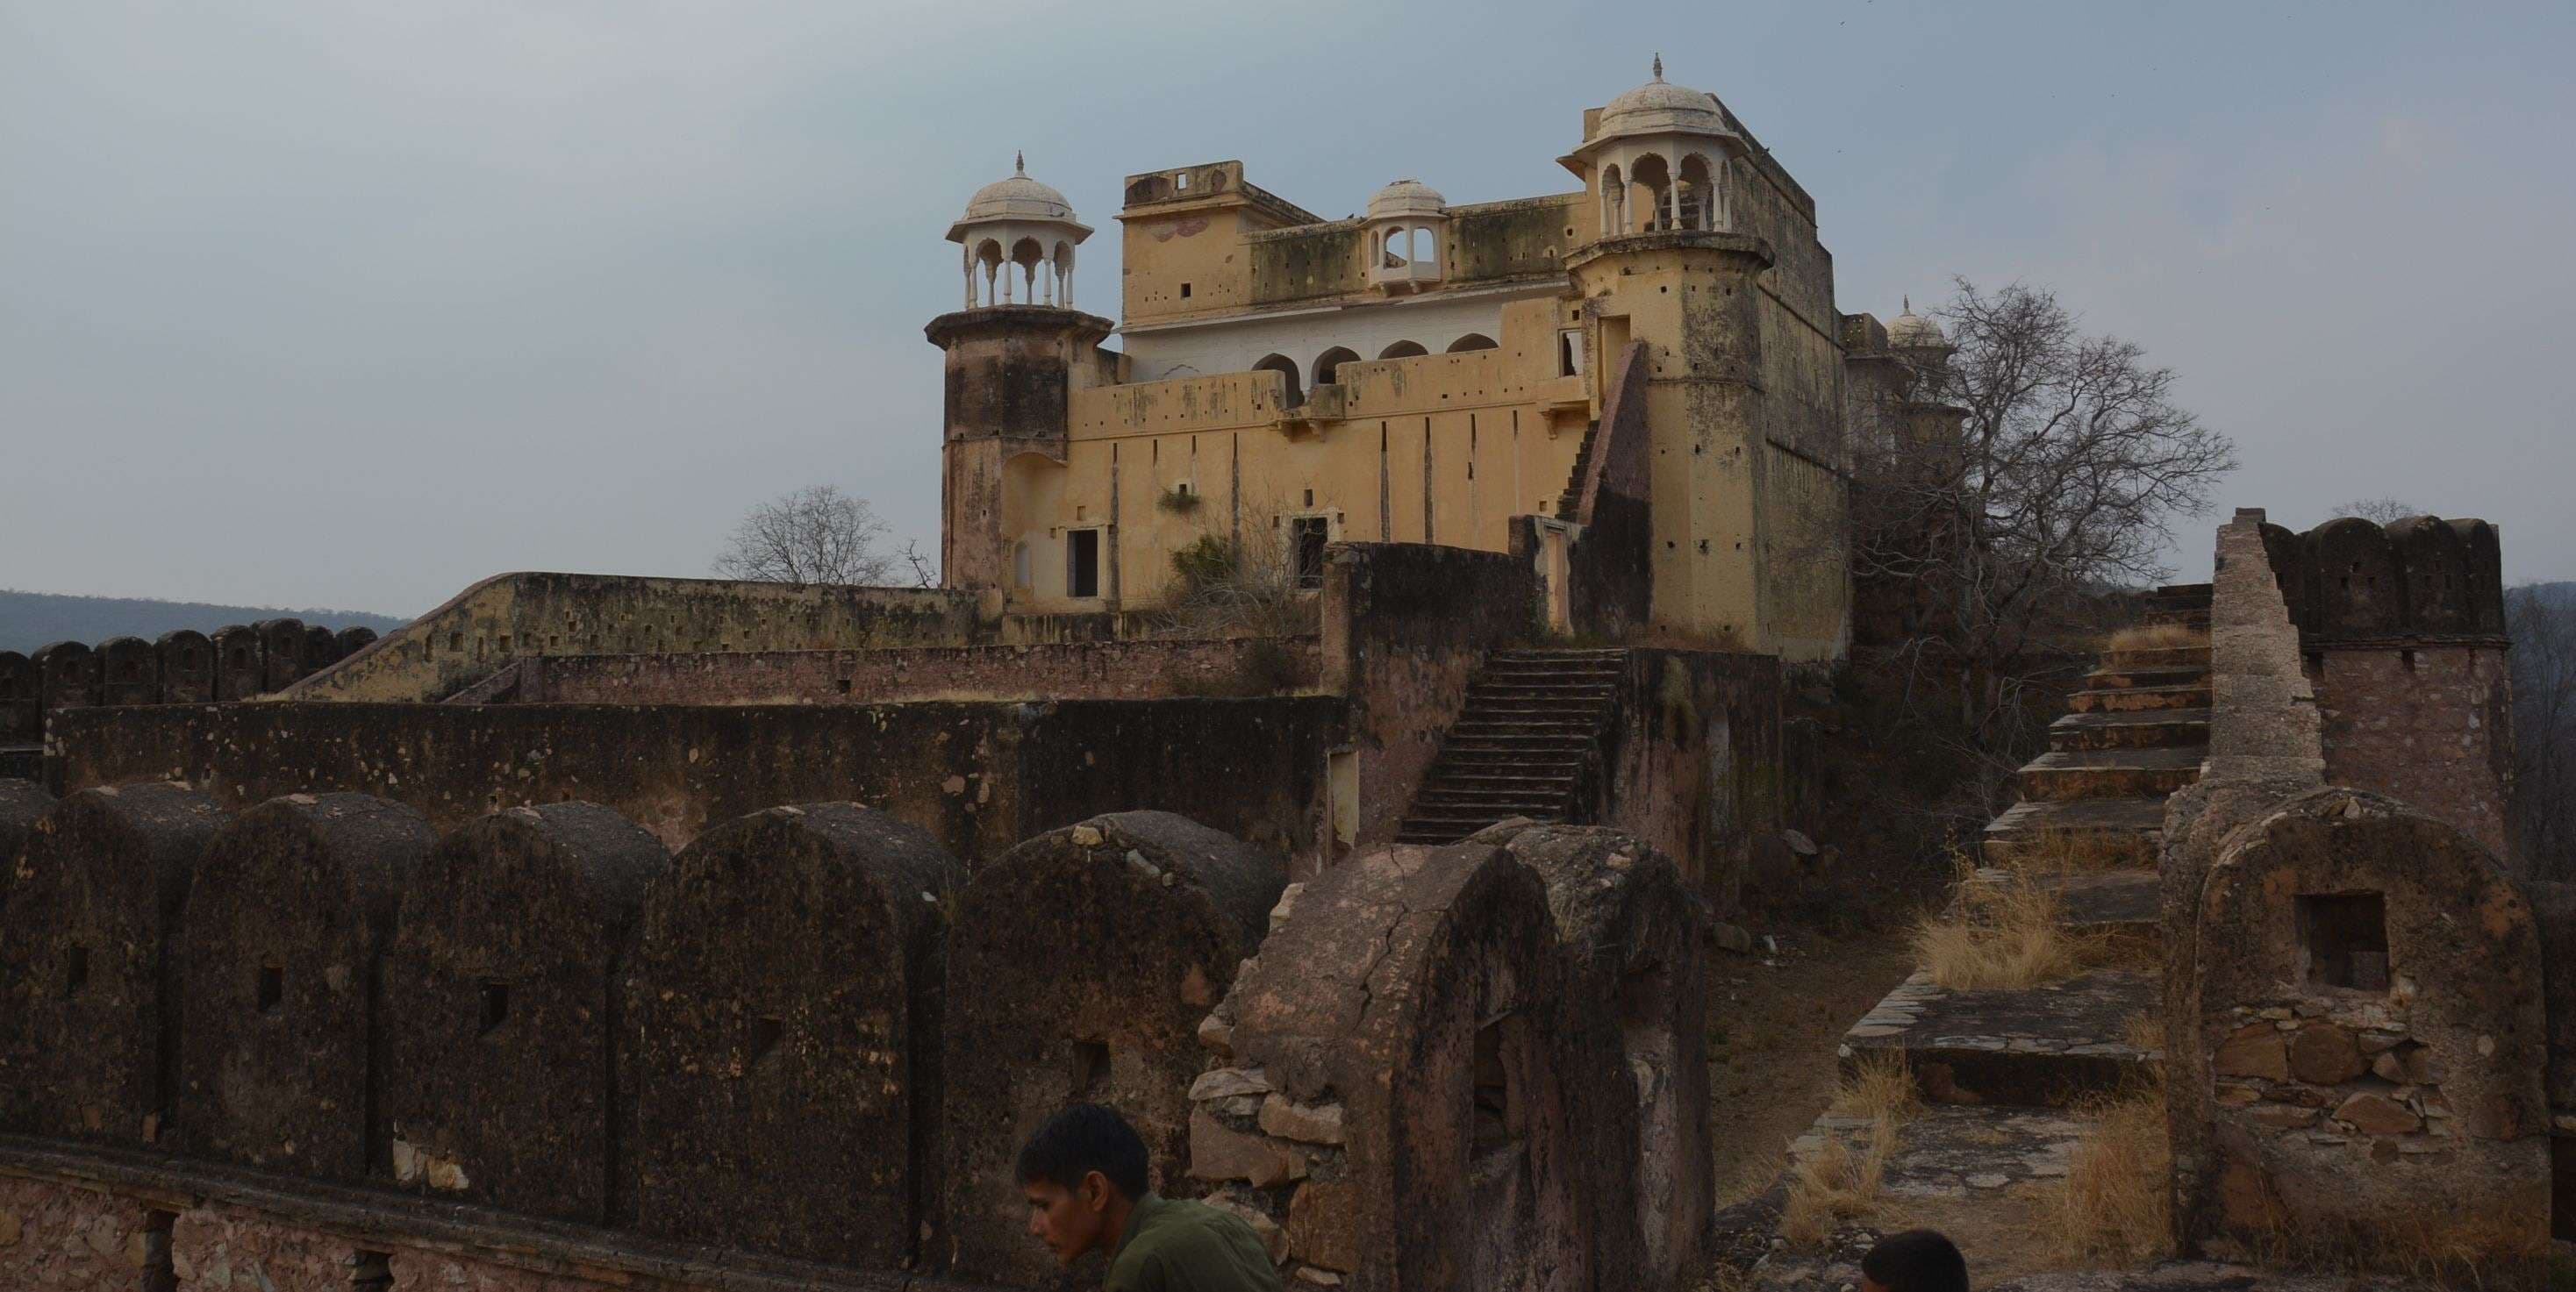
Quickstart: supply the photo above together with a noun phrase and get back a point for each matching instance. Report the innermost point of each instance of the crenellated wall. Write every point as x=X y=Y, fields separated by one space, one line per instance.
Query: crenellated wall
x=537 y=1053
x=182 y=667
x=2403 y=632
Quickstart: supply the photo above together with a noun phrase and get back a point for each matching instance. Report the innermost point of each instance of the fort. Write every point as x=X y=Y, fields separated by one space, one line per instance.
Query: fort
x=597 y=932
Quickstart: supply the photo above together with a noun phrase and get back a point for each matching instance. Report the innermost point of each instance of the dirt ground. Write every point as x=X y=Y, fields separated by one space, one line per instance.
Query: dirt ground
x=1774 y=1024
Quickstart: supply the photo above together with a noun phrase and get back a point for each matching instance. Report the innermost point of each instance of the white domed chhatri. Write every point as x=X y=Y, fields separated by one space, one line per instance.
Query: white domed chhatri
x=1660 y=107
x=1912 y=331
x=1018 y=197
x=1406 y=221
x=1018 y=228
x=1657 y=159
x=1406 y=197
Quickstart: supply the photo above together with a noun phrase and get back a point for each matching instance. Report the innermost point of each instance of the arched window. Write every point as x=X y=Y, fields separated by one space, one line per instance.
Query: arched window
x=1426 y=251
x=1697 y=197
x=1026 y=256
x=1651 y=203
x=1402 y=350
x=1287 y=370
x=988 y=266
x=1471 y=341
x=1328 y=365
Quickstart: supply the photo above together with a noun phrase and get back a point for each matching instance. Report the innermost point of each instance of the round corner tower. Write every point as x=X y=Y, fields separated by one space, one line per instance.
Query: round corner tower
x=1015 y=353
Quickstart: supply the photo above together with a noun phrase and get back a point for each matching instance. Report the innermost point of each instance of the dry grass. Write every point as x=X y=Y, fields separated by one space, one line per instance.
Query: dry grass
x=2001 y=935
x=1880 y=1088
x=2156 y=637
x=2116 y=1205
x=1840 y=1181
x=2144 y=1032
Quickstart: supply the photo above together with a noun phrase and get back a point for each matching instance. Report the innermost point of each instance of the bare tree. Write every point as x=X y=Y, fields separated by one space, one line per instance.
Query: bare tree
x=2070 y=464
x=2383 y=510
x=814 y=535
x=924 y=566
x=2542 y=620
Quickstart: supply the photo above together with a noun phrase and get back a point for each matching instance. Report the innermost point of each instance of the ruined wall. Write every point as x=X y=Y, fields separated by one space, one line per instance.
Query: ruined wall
x=2404 y=632
x=2366 y=993
x=980 y=777
x=1693 y=765
x=1406 y=627
x=509 y=615
x=1082 y=670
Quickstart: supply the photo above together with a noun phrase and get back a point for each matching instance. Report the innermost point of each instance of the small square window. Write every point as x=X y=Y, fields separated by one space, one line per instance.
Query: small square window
x=2343 y=938
x=1185 y=291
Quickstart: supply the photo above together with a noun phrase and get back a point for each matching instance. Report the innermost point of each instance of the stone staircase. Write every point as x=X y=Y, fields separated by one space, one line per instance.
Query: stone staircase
x=1572 y=498
x=2135 y=733
x=1521 y=746
x=2004 y=1072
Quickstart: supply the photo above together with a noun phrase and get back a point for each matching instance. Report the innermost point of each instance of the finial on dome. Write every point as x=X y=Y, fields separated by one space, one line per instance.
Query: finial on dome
x=1019 y=162
x=1659 y=65
x=1909 y=302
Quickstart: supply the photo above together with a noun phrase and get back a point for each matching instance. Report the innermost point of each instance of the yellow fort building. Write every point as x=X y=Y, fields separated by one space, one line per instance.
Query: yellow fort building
x=1643 y=385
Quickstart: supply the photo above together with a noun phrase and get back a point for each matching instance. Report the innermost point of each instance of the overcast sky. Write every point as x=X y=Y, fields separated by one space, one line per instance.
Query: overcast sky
x=352 y=304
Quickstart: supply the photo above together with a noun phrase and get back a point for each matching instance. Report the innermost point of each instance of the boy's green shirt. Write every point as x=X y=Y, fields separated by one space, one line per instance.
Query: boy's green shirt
x=1183 y=1246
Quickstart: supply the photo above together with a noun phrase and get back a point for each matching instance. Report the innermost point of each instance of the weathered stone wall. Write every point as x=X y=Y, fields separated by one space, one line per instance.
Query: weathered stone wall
x=1094 y=952
x=783 y=1047
x=1083 y=670
x=506 y=956
x=1693 y=764
x=2432 y=724
x=2366 y=997
x=86 y=972
x=2404 y=633
x=509 y=615
x=980 y=777
x=1406 y=627
x=1393 y=1112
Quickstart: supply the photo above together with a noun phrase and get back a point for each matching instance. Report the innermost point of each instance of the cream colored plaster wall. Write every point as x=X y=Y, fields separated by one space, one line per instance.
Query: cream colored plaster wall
x=1442 y=448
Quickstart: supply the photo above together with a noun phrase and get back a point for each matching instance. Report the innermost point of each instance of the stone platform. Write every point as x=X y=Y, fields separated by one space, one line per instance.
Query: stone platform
x=2036 y=1047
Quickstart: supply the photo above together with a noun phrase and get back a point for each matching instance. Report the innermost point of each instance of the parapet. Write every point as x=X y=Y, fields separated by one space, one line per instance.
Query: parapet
x=2355 y=580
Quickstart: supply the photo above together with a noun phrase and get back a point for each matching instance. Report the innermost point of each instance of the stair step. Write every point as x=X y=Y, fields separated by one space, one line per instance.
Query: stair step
x=2133 y=679
x=2193 y=657
x=2110 y=773
x=2128 y=902
x=2137 y=729
x=2032 y=1047
x=2133 y=699
x=2140 y=819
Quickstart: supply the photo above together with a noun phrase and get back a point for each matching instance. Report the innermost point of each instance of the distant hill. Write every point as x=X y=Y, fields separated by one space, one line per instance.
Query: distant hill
x=31 y=619
x=2556 y=594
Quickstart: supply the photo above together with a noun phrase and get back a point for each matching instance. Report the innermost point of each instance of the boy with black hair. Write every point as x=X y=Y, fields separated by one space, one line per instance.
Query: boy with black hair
x=1083 y=1174
x=1918 y=1260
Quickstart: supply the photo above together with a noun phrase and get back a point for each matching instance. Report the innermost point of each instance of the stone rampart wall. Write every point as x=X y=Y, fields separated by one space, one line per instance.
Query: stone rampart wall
x=1081 y=670
x=182 y=667
x=507 y=616
x=978 y=776
x=539 y=1052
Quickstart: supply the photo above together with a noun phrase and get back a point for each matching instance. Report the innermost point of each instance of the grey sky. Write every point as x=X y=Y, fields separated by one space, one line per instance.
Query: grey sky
x=352 y=304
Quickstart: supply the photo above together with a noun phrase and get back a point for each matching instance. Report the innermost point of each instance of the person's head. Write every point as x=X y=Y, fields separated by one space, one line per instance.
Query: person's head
x=1918 y=1260
x=1080 y=1173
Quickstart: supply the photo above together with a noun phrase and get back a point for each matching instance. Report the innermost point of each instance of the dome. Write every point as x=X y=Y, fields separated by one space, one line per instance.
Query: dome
x=1018 y=198
x=1406 y=197
x=1660 y=107
x=1910 y=330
